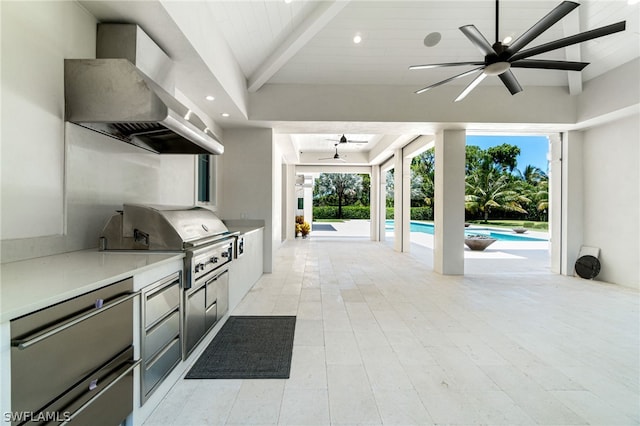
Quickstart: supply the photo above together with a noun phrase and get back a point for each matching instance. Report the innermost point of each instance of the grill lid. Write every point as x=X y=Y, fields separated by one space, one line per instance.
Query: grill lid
x=155 y=227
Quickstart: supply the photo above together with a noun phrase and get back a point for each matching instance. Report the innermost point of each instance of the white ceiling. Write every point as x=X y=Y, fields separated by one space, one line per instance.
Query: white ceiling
x=310 y=42
x=393 y=34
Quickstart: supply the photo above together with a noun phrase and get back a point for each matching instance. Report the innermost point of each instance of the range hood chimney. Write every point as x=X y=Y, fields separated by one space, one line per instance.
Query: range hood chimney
x=126 y=93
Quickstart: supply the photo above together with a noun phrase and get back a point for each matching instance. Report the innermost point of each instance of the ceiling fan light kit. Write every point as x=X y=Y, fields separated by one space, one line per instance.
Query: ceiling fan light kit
x=499 y=58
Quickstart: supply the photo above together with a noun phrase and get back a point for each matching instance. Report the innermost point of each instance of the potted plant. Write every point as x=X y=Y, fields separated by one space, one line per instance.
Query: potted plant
x=305 y=228
x=299 y=222
x=478 y=242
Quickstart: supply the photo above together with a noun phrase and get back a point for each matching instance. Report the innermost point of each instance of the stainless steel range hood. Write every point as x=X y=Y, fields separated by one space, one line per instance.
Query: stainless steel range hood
x=126 y=93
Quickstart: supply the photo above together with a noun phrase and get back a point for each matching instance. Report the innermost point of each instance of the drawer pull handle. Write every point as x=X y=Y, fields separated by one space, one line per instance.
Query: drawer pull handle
x=57 y=328
x=93 y=384
x=131 y=365
x=99 y=303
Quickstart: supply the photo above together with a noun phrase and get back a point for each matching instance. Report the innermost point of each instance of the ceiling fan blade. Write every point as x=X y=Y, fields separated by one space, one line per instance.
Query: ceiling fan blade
x=568 y=41
x=510 y=81
x=464 y=74
x=333 y=158
x=352 y=141
x=476 y=37
x=470 y=87
x=542 y=25
x=449 y=64
x=549 y=65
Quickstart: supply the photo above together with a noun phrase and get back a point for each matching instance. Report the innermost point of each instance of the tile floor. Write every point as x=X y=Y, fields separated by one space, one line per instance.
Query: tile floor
x=381 y=339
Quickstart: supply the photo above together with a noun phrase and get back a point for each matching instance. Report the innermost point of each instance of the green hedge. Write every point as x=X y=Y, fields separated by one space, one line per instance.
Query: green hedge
x=348 y=212
x=362 y=212
x=421 y=213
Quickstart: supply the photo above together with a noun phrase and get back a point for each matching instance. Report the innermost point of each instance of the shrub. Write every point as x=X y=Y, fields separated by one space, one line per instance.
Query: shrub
x=364 y=212
x=325 y=212
x=422 y=213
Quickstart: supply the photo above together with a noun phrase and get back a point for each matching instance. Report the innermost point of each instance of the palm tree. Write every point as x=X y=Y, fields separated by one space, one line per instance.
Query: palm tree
x=487 y=188
x=532 y=175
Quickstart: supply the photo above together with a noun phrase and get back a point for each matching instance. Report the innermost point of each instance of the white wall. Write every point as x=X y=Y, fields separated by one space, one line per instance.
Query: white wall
x=60 y=182
x=248 y=182
x=611 y=185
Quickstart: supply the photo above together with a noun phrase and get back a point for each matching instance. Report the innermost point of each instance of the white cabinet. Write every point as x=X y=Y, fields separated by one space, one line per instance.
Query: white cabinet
x=246 y=269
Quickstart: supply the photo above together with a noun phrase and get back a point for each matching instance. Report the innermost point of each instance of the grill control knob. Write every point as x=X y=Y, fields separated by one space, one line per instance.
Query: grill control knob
x=214 y=259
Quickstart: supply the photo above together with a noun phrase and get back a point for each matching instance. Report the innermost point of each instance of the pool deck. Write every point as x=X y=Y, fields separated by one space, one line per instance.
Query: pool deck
x=499 y=258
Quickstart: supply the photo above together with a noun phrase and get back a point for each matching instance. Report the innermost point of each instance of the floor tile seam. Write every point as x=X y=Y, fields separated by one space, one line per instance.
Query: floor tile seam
x=549 y=394
x=419 y=399
x=235 y=401
x=609 y=405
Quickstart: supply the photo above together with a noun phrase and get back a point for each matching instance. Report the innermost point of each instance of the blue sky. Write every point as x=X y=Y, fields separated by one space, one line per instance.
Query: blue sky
x=533 y=149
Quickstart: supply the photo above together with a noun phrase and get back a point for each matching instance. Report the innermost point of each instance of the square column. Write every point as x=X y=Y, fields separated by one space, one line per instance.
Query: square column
x=448 y=250
x=398 y=201
x=572 y=204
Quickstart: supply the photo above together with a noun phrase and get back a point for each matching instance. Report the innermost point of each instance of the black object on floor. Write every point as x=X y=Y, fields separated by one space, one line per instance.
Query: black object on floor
x=322 y=227
x=248 y=347
x=588 y=267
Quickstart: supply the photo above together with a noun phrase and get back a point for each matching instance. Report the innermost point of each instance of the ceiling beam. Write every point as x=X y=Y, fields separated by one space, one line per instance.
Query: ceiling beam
x=571 y=26
x=297 y=39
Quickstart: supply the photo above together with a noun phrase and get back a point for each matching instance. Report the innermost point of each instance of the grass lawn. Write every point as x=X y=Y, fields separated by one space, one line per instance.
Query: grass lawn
x=539 y=226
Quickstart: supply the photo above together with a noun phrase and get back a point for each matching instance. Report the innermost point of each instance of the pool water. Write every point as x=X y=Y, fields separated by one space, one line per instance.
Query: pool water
x=427 y=228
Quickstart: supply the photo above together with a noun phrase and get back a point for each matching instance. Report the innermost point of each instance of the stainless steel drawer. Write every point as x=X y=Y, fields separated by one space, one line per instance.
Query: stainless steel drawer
x=160 y=366
x=162 y=299
x=103 y=398
x=211 y=316
x=222 y=291
x=194 y=319
x=55 y=348
x=161 y=334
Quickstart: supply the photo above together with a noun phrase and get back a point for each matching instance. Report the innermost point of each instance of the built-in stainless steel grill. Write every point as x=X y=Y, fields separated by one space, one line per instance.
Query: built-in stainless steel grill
x=208 y=246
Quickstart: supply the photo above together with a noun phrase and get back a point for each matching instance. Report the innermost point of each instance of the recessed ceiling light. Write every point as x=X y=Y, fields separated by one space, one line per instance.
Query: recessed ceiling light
x=288 y=1
x=225 y=114
x=632 y=2
x=209 y=98
x=357 y=39
x=432 y=39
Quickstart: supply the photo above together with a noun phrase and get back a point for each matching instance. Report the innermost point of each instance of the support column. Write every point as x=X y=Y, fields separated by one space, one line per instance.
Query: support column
x=572 y=200
x=555 y=202
x=406 y=204
x=308 y=198
x=448 y=253
x=290 y=202
x=382 y=205
x=398 y=198
x=374 y=205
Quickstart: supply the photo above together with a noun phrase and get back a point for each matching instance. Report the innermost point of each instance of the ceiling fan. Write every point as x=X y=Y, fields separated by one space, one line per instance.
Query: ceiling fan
x=344 y=139
x=499 y=58
x=336 y=156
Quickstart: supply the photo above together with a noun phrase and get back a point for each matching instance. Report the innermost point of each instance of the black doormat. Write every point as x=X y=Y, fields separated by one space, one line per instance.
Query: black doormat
x=248 y=347
x=322 y=227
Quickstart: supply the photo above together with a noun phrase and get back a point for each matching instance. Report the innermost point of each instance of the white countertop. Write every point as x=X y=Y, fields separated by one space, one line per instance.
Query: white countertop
x=33 y=284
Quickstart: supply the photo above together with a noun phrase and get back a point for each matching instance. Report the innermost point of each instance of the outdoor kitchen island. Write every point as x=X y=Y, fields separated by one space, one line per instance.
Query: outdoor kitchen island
x=32 y=285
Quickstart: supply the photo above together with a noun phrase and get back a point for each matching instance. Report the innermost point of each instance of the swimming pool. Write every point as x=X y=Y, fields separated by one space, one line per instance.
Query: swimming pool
x=427 y=228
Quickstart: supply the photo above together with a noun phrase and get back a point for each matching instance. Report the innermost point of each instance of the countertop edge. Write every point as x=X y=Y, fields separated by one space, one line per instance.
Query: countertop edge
x=43 y=302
